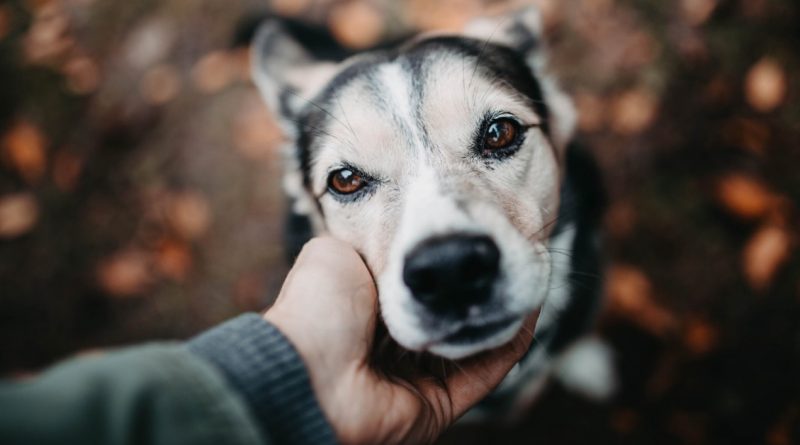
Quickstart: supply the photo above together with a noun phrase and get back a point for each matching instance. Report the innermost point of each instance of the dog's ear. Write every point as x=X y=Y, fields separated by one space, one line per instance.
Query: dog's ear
x=290 y=64
x=522 y=31
x=287 y=73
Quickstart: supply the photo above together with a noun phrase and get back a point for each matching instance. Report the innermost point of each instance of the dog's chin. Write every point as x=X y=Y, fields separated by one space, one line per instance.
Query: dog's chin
x=471 y=340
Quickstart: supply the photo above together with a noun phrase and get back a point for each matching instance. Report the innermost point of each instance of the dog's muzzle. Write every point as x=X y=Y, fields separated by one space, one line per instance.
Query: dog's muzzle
x=450 y=274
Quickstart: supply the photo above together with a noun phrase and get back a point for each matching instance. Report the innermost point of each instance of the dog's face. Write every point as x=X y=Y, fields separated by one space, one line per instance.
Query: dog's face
x=440 y=162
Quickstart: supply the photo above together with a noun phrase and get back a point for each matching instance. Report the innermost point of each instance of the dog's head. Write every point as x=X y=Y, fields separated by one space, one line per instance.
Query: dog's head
x=440 y=161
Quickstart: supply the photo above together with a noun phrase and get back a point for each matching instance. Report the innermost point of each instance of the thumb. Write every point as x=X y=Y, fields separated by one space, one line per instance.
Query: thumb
x=329 y=287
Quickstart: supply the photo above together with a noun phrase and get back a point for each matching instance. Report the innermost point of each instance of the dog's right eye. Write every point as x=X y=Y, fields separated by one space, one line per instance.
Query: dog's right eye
x=346 y=181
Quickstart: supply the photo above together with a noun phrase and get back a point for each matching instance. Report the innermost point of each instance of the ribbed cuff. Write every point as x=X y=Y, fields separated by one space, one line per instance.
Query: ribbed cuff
x=261 y=363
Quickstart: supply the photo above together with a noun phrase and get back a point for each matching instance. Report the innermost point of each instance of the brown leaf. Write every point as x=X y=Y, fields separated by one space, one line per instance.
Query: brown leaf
x=700 y=336
x=591 y=111
x=125 y=274
x=24 y=149
x=291 y=8
x=749 y=134
x=174 y=259
x=18 y=214
x=764 y=254
x=745 y=196
x=214 y=71
x=48 y=37
x=697 y=12
x=631 y=295
x=620 y=219
x=189 y=214
x=356 y=24
x=6 y=19
x=444 y=15
x=67 y=167
x=83 y=75
x=160 y=84
x=766 y=85
x=633 y=111
x=255 y=133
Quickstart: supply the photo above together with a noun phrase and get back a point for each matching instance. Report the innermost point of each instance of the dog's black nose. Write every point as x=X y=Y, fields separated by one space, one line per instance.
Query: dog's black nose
x=450 y=273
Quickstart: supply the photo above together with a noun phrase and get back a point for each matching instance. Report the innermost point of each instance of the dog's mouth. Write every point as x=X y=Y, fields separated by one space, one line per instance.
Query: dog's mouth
x=468 y=335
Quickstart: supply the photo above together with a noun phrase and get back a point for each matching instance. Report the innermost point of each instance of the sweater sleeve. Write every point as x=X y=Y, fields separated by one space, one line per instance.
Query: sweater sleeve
x=259 y=361
x=155 y=394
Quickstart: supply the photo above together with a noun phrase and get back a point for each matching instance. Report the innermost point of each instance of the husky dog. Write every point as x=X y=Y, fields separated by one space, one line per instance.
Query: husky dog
x=447 y=162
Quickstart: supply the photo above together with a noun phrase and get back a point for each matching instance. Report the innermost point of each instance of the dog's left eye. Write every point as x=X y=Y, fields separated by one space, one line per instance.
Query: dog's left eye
x=501 y=133
x=346 y=181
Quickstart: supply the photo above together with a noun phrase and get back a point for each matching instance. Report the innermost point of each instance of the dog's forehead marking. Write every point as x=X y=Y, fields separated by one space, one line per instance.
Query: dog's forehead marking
x=395 y=85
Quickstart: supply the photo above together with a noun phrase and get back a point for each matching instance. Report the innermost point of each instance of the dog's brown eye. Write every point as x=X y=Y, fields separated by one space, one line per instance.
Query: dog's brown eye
x=346 y=181
x=500 y=133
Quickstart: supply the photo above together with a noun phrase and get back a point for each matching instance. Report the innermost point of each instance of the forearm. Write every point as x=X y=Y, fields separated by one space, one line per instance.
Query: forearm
x=156 y=394
x=239 y=383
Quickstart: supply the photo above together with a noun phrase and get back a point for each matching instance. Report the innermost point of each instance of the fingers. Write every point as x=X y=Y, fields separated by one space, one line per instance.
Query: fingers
x=329 y=267
x=477 y=376
x=331 y=289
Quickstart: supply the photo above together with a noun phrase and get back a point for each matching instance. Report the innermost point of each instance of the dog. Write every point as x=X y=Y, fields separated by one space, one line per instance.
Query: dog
x=447 y=161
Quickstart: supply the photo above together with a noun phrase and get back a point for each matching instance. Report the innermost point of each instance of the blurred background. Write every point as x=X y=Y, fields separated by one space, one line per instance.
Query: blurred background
x=140 y=192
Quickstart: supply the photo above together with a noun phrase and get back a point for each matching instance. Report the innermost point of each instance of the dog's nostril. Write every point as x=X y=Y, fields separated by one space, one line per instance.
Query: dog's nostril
x=450 y=273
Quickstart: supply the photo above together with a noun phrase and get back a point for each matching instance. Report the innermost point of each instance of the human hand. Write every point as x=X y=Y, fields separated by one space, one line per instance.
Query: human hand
x=327 y=308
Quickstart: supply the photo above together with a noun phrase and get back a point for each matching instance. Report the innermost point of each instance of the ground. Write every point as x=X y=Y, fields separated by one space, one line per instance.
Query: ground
x=140 y=192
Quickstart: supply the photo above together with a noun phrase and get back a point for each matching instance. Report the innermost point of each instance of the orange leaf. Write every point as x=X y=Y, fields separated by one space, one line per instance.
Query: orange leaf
x=745 y=196
x=631 y=295
x=174 y=259
x=763 y=255
x=766 y=85
x=357 y=24
x=160 y=84
x=24 y=148
x=125 y=274
x=700 y=336
x=633 y=111
x=189 y=213
x=18 y=214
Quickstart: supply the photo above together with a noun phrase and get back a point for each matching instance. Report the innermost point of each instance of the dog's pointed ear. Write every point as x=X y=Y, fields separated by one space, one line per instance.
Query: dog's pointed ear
x=522 y=31
x=286 y=74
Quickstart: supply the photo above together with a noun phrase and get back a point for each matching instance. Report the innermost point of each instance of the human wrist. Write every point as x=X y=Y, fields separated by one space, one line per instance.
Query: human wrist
x=261 y=363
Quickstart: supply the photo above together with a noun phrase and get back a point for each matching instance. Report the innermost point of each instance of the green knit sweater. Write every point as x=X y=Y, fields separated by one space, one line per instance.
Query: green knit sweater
x=239 y=383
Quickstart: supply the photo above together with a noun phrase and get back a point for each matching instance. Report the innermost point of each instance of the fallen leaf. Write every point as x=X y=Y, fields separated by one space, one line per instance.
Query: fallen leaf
x=631 y=295
x=18 y=214
x=744 y=196
x=6 y=19
x=160 y=84
x=24 y=149
x=620 y=219
x=125 y=274
x=445 y=15
x=749 y=134
x=214 y=71
x=48 y=37
x=189 y=214
x=174 y=259
x=697 y=12
x=83 y=75
x=290 y=8
x=67 y=167
x=764 y=254
x=255 y=133
x=591 y=111
x=356 y=24
x=766 y=85
x=633 y=111
x=700 y=336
